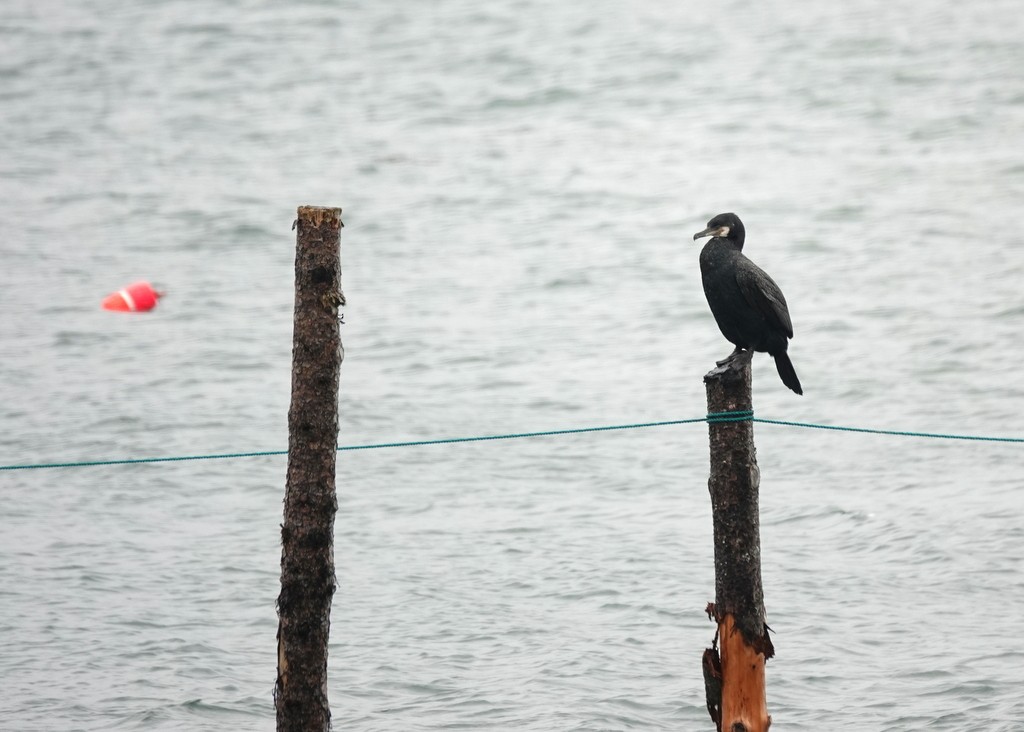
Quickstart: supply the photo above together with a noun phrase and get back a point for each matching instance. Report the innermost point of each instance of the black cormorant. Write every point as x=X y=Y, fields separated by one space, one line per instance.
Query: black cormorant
x=749 y=307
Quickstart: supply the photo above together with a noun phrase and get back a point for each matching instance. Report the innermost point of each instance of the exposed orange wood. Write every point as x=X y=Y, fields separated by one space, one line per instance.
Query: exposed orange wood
x=744 y=701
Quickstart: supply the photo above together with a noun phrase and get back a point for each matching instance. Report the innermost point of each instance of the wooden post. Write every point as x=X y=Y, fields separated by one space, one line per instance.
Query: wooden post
x=310 y=501
x=734 y=665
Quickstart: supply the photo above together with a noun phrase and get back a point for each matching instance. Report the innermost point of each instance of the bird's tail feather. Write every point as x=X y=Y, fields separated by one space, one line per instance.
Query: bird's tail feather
x=787 y=372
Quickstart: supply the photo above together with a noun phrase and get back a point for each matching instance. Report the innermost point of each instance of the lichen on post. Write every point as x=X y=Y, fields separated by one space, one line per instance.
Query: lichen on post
x=310 y=503
x=734 y=665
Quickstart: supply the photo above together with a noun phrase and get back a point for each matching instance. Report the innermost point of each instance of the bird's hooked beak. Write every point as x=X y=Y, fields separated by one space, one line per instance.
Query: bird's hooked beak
x=722 y=231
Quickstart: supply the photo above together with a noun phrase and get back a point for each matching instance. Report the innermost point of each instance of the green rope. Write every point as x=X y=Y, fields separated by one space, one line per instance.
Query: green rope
x=713 y=418
x=737 y=416
x=897 y=433
x=134 y=461
x=547 y=433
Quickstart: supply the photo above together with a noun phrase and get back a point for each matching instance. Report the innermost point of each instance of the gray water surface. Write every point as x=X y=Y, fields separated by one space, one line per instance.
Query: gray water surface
x=521 y=181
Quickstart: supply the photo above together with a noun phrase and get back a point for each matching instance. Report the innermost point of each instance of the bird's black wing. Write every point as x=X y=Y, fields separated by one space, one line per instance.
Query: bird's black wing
x=761 y=292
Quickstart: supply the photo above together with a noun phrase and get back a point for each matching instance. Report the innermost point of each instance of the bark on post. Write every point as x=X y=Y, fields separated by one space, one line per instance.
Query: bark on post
x=310 y=502
x=734 y=665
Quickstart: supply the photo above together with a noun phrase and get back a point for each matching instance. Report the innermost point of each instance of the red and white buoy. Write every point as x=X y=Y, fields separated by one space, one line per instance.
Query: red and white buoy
x=137 y=297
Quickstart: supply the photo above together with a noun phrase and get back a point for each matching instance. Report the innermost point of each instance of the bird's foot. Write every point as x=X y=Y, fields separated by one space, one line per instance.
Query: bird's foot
x=738 y=351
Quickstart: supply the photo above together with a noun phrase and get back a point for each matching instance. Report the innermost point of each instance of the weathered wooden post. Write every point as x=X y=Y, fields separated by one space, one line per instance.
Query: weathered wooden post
x=310 y=502
x=734 y=665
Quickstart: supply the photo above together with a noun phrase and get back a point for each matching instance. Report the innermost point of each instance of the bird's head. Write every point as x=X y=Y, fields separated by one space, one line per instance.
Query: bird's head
x=725 y=226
